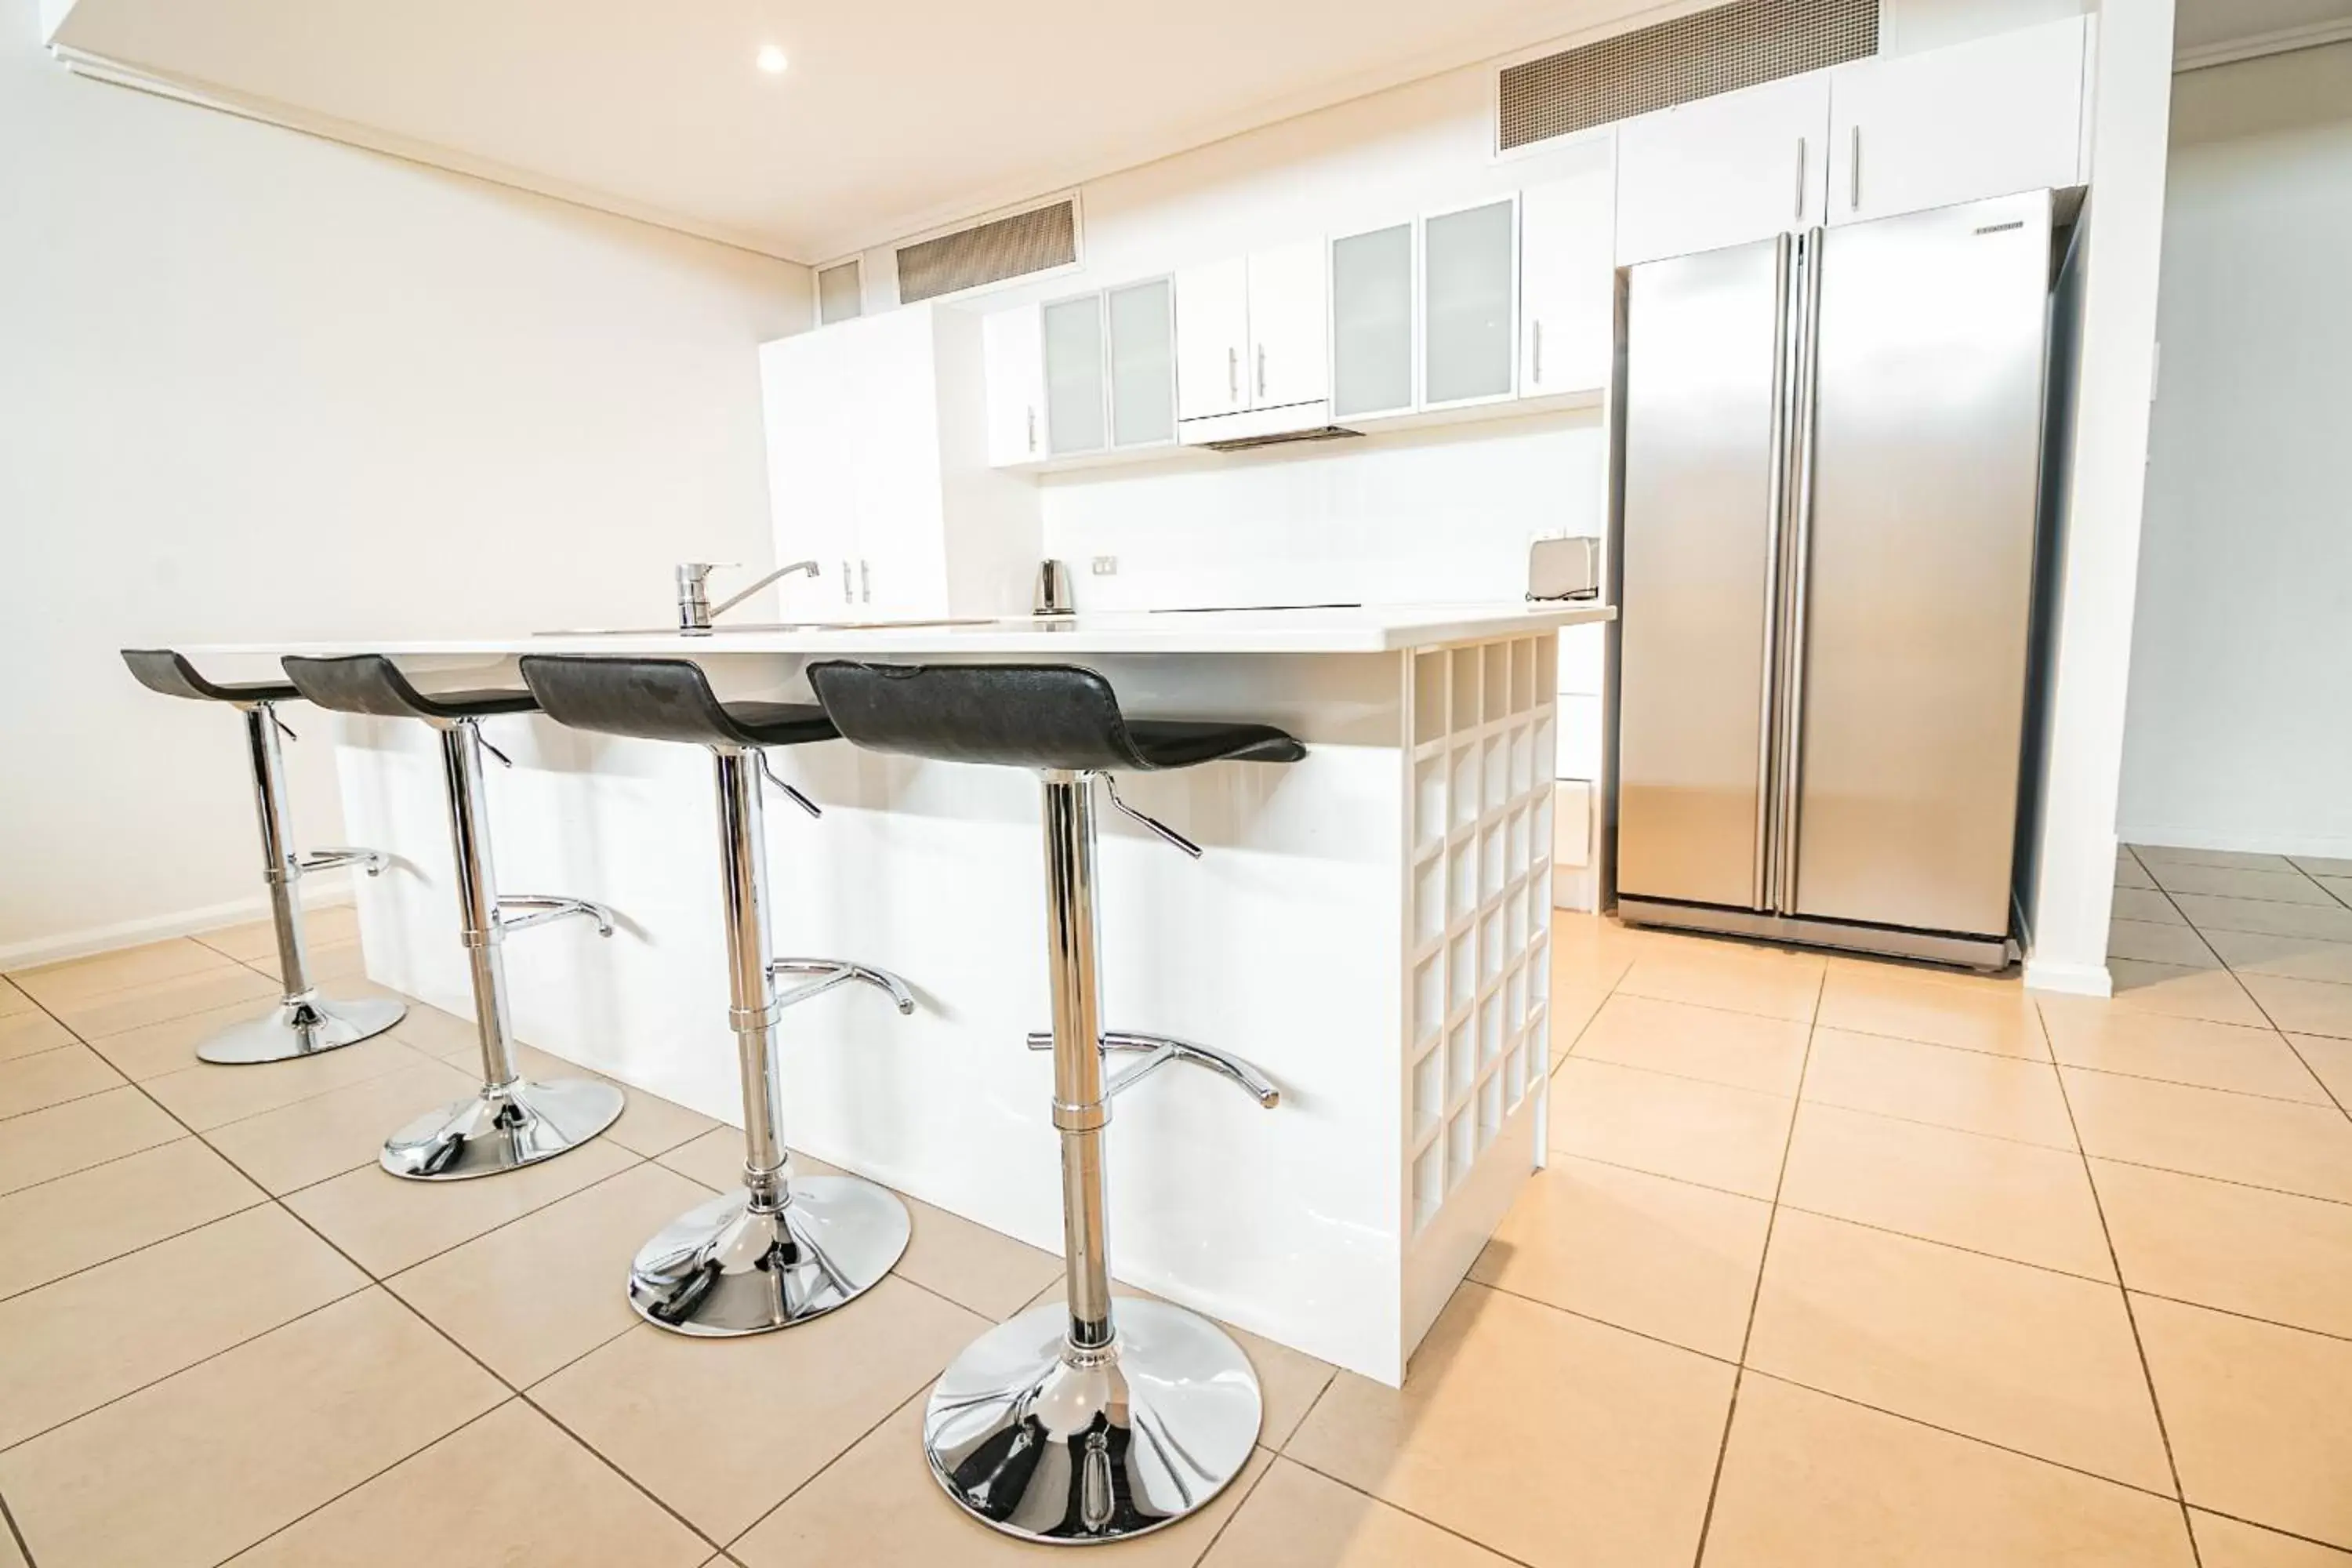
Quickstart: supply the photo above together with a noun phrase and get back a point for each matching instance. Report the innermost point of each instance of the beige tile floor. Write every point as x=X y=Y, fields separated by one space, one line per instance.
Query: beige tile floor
x=1836 y=1263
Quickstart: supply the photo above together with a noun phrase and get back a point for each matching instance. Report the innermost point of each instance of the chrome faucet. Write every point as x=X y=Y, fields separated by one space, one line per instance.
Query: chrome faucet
x=695 y=610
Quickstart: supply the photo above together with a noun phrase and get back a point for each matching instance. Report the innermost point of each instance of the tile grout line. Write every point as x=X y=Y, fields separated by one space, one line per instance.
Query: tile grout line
x=362 y=1288
x=2131 y=1320
x=393 y=1295
x=355 y=1486
x=1756 y=1295
x=16 y=1534
x=1439 y=1525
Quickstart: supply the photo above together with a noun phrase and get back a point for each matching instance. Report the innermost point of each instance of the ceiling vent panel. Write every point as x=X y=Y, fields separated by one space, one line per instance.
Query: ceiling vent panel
x=1034 y=241
x=1690 y=58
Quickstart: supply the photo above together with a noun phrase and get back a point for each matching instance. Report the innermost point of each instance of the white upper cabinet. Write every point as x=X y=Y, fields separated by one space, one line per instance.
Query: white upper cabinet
x=1250 y=334
x=1469 y=304
x=1372 y=322
x=1013 y=355
x=1723 y=171
x=879 y=451
x=1212 y=339
x=1568 y=297
x=1289 y=357
x=1986 y=118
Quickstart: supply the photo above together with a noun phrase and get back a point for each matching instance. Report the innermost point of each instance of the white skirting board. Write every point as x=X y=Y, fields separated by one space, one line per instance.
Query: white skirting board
x=328 y=889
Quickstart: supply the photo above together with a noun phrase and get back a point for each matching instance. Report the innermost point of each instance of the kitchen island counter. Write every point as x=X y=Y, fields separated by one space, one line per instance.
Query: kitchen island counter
x=1370 y=926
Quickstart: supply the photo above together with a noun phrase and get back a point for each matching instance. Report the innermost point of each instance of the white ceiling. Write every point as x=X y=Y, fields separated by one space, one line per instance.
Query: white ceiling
x=2201 y=24
x=889 y=120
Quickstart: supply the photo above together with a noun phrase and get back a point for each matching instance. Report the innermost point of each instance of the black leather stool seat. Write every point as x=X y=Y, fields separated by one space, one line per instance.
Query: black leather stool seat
x=162 y=669
x=371 y=683
x=1025 y=716
x=663 y=699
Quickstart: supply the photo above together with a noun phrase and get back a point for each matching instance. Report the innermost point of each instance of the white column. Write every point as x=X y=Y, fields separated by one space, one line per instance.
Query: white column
x=2131 y=111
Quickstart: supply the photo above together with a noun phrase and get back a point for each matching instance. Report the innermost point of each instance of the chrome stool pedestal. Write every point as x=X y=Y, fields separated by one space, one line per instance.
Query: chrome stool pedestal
x=304 y=1023
x=510 y=1121
x=784 y=1249
x=1075 y=1422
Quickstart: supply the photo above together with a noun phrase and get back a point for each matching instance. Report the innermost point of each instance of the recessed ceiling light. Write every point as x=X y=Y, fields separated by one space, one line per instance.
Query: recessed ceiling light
x=772 y=60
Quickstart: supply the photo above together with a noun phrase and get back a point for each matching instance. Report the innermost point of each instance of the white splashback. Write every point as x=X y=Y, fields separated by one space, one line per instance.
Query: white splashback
x=1427 y=516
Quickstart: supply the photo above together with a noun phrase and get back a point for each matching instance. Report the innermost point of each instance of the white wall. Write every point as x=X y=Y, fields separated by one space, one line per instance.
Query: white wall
x=2240 y=734
x=2074 y=871
x=257 y=385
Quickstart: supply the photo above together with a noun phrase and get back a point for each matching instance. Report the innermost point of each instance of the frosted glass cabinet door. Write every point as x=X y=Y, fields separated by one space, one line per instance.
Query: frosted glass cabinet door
x=1469 y=287
x=1142 y=363
x=1074 y=376
x=1371 y=322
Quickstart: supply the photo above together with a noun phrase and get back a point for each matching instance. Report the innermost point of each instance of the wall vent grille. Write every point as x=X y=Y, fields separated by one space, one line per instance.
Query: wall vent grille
x=1690 y=58
x=988 y=252
x=840 y=293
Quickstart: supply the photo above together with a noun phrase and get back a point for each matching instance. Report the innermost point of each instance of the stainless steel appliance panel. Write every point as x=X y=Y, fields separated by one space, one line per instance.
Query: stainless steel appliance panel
x=1705 y=336
x=1925 y=468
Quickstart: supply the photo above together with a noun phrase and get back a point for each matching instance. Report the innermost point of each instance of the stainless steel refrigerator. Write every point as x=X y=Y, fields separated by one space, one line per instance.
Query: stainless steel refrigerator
x=1830 y=464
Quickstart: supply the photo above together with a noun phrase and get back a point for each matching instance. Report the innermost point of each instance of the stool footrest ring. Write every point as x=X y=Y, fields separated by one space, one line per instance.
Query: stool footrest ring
x=828 y=972
x=542 y=907
x=1164 y=1049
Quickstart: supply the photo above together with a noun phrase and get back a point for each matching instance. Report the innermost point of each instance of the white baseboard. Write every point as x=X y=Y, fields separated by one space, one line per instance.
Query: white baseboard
x=332 y=888
x=2326 y=845
x=2068 y=979
x=1574 y=888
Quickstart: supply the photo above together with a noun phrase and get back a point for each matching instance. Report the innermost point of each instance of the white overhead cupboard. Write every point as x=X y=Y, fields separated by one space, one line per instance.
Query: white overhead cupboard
x=879 y=471
x=1250 y=340
x=1987 y=118
x=1431 y=317
x=1893 y=133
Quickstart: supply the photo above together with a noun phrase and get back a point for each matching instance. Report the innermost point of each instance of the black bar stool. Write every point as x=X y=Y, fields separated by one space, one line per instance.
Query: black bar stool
x=784 y=1250
x=304 y=1023
x=1069 y=1422
x=512 y=1122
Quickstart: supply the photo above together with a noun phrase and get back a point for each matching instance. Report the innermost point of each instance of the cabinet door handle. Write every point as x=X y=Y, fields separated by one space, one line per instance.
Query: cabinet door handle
x=848 y=593
x=1536 y=368
x=1233 y=375
x=1801 y=179
x=1032 y=411
x=1261 y=370
x=1854 y=169
x=864 y=583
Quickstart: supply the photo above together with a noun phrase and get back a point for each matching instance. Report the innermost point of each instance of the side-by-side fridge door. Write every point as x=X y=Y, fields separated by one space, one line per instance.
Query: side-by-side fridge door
x=1705 y=338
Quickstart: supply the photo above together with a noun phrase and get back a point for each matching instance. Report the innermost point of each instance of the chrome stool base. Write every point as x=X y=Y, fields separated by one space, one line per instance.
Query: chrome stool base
x=503 y=1129
x=302 y=1028
x=1040 y=1439
x=724 y=1268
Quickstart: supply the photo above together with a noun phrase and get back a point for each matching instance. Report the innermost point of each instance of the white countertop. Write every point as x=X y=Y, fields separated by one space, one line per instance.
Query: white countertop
x=1370 y=629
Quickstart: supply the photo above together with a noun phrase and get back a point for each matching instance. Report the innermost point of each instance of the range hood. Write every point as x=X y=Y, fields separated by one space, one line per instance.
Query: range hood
x=1254 y=427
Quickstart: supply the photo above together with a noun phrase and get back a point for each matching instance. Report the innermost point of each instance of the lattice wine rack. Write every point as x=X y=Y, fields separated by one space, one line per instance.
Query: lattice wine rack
x=1482 y=721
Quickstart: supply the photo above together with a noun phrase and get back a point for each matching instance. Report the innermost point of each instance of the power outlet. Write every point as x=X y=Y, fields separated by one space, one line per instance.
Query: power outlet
x=1105 y=566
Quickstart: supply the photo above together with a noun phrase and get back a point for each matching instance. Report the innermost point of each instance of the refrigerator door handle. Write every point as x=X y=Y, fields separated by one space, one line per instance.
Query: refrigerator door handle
x=1804 y=399
x=1762 y=882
